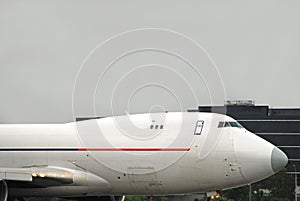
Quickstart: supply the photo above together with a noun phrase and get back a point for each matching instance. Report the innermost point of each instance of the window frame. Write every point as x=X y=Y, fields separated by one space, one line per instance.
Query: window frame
x=197 y=127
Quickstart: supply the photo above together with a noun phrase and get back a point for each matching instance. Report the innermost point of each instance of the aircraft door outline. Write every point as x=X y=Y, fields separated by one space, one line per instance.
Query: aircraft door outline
x=199 y=127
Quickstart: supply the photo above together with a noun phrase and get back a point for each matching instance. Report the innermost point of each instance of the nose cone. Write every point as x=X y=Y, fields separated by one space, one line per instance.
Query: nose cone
x=278 y=159
x=257 y=158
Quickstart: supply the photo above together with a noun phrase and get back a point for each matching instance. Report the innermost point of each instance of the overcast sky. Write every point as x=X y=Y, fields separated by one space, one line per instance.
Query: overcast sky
x=245 y=51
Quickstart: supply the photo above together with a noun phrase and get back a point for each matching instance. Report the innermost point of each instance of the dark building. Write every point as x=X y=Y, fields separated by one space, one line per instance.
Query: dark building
x=281 y=126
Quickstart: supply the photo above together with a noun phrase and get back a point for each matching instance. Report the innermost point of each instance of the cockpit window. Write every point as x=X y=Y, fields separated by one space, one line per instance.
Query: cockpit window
x=223 y=124
x=236 y=124
x=227 y=124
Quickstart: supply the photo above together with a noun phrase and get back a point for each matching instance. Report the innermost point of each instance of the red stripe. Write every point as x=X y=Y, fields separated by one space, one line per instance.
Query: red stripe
x=134 y=149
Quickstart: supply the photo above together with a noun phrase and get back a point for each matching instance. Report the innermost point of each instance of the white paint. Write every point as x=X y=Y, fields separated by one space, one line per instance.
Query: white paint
x=219 y=158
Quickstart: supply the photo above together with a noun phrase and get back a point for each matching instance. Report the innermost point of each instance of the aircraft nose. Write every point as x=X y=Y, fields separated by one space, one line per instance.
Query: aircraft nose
x=278 y=159
x=257 y=158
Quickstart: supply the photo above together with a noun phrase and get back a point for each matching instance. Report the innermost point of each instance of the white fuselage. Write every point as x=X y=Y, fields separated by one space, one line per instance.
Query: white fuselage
x=142 y=154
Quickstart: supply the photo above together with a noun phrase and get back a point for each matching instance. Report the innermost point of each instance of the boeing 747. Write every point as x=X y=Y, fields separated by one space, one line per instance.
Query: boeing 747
x=142 y=154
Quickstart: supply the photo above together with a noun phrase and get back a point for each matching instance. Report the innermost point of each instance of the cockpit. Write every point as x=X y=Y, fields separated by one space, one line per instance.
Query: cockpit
x=235 y=124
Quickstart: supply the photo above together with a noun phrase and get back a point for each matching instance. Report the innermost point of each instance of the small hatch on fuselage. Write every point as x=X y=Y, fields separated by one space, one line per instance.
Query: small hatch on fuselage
x=199 y=127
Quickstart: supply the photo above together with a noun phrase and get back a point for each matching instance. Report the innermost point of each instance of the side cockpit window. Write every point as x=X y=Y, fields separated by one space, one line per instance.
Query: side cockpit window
x=221 y=124
x=235 y=124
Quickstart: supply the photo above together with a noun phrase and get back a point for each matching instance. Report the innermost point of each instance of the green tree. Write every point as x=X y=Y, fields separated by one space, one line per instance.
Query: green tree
x=237 y=194
x=280 y=185
x=145 y=198
x=136 y=198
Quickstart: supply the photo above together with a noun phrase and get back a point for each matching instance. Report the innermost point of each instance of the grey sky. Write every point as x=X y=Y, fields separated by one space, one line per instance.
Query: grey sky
x=254 y=44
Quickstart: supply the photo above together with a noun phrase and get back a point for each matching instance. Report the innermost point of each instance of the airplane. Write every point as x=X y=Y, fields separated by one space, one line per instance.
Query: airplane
x=167 y=153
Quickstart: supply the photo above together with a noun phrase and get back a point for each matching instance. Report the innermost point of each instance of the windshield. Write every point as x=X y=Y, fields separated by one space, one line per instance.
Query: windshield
x=223 y=124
